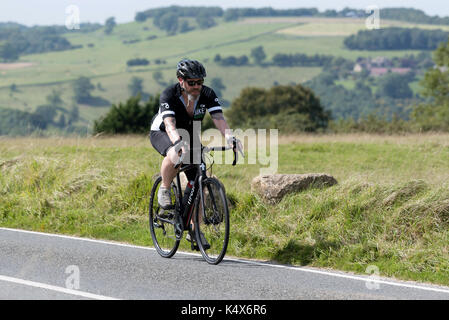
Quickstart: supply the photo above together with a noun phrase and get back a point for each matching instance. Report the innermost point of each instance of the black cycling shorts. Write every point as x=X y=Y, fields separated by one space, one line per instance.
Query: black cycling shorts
x=162 y=143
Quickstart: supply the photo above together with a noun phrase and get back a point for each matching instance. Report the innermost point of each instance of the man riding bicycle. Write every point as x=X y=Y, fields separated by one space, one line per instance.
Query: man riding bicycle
x=180 y=106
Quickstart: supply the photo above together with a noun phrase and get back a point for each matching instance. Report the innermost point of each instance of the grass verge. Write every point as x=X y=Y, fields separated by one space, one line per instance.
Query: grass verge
x=390 y=208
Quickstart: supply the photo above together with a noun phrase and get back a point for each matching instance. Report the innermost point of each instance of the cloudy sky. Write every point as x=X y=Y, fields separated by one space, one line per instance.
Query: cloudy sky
x=48 y=12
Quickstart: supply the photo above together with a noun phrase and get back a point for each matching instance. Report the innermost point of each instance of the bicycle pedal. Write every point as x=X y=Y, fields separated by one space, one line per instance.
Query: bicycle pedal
x=194 y=247
x=167 y=208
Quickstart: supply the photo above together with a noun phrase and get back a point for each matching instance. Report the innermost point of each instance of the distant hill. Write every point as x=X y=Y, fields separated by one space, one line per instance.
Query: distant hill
x=400 y=14
x=301 y=41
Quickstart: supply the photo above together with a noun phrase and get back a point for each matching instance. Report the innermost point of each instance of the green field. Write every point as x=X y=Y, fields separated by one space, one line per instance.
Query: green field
x=390 y=208
x=105 y=63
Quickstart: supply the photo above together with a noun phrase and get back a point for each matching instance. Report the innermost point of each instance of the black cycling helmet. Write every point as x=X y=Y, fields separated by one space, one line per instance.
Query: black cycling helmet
x=190 y=69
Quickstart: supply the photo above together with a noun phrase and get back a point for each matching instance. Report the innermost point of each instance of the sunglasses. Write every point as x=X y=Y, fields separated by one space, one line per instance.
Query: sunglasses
x=191 y=83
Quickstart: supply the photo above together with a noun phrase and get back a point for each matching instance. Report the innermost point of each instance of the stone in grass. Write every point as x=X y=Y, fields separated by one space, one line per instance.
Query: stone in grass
x=274 y=187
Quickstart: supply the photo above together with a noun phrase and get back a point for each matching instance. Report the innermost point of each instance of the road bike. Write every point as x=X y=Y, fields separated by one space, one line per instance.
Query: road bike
x=205 y=204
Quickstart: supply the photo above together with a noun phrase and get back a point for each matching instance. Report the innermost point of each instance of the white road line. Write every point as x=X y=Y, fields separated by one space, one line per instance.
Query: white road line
x=55 y=288
x=265 y=264
x=346 y=276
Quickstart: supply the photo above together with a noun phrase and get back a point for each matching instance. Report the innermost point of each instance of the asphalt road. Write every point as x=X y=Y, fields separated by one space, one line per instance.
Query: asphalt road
x=44 y=266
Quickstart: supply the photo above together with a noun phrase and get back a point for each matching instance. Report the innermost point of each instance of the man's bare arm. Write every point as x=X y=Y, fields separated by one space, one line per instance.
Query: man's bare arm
x=220 y=122
x=170 y=128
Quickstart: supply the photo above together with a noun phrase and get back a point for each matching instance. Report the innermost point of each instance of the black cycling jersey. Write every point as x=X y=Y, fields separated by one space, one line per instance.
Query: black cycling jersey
x=172 y=105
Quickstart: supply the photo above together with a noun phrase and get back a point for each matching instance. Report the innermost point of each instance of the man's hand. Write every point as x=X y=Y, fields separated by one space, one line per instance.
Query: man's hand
x=181 y=147
x=177 y=152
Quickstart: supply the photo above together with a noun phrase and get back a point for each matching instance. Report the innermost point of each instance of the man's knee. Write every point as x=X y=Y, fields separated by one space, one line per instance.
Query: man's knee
x=172 y=155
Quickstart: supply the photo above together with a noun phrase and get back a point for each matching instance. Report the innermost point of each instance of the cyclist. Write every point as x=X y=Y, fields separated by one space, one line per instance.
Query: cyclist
x=180 y=106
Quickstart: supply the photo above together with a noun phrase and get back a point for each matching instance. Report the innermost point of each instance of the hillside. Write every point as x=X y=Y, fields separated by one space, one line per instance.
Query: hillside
x=103 y=58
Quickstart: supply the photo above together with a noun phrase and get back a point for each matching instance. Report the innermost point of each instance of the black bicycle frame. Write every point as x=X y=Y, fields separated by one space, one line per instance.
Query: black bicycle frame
x=187 y=209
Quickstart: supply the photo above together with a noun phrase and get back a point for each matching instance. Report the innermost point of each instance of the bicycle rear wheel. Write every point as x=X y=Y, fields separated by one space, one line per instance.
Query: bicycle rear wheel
x=162 y=223
x=212 y=220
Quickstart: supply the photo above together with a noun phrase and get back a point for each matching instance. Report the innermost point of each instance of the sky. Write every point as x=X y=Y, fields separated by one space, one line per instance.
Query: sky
x=50 y=12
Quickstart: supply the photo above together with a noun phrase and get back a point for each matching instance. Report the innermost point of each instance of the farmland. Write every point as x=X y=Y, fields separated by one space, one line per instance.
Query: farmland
x=103 y=58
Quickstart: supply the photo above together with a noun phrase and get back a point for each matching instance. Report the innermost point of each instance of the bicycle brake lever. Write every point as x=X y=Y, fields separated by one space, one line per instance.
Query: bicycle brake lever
x=178 y=148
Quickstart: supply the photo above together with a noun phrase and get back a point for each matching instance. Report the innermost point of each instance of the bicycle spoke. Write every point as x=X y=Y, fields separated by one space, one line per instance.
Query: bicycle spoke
x=162 y=226
x=214 y=222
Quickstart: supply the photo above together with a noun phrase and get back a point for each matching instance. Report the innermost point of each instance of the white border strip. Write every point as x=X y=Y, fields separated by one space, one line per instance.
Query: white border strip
x=265 y=264
x=55 y=288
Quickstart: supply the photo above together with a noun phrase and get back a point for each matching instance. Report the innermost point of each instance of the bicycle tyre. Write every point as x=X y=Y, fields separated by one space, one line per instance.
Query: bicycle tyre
x=212 y=219
x=162 y=232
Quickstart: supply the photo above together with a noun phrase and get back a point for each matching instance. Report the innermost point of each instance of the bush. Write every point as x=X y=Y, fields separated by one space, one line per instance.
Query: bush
x=137 y=62
x=233 y=61
x=129 y=117
x=431 y=117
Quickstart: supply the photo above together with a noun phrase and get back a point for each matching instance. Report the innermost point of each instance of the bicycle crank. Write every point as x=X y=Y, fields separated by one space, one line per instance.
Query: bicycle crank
x=179 y=226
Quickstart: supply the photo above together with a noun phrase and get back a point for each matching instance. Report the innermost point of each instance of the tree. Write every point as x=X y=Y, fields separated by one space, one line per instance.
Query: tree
x=13 y=88
x=185 y=27
x=395 y=86
x=231 y=15
x=396 y=39
x=218 y=86
x=140 y=17
x=436 y=80
x=289 y=108
x=74 y=115
x=109 y=25
x=205 y=21
x=8 y=52
x=135 y=86
x=54 y=98
x=16 y=122
x=258 y=54
x=159 y=78
x=435 y=114
x=46 y=112
x=168 y=22
x=61 y=122
x=82 y=88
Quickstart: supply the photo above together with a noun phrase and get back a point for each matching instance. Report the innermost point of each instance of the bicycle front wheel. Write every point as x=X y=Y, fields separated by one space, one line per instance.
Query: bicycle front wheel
x=212 y=221
x=162 y=223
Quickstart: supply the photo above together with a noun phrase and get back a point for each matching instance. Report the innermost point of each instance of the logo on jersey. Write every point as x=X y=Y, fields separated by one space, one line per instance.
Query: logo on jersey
x=200 y=112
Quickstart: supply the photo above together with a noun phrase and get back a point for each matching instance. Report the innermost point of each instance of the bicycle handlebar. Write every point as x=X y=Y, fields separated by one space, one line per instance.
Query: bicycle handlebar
x=179 y=146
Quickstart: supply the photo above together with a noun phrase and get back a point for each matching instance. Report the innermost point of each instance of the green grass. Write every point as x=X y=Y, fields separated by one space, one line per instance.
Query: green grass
x=390 y=208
